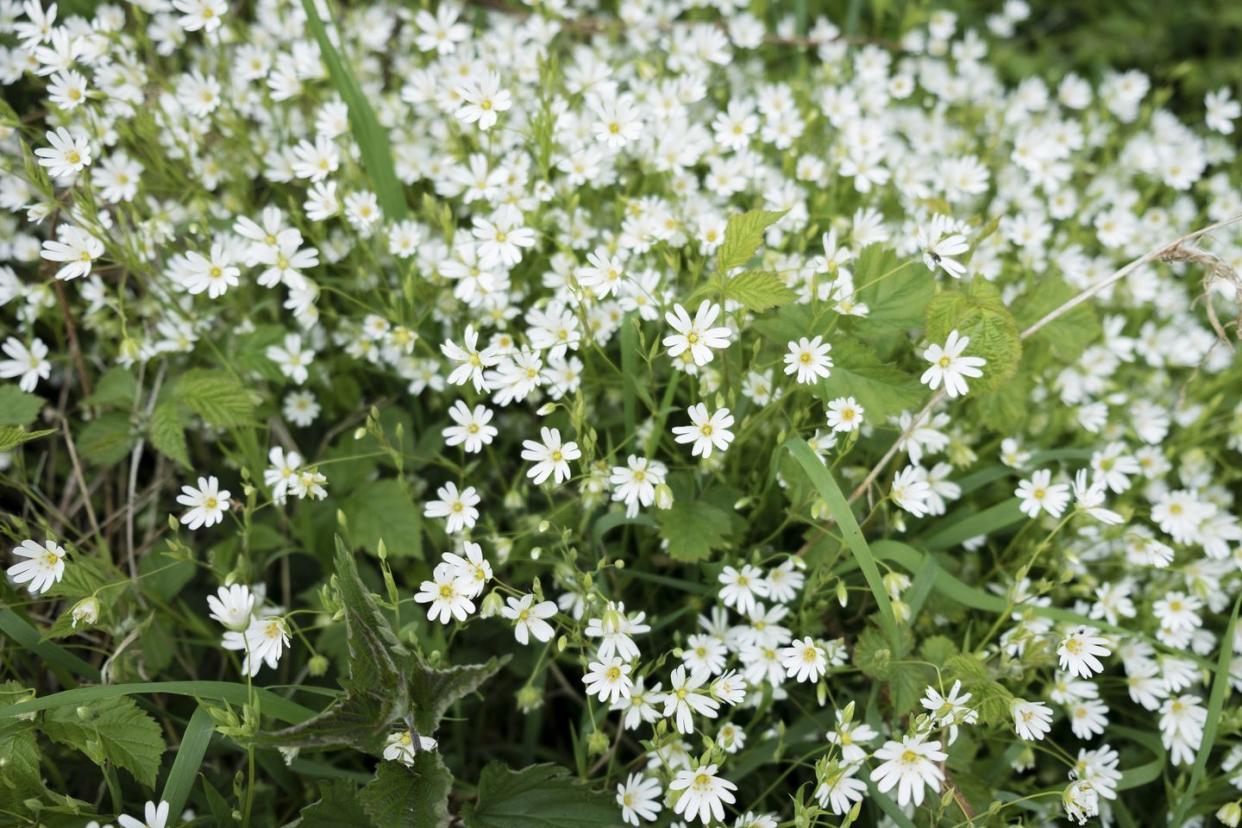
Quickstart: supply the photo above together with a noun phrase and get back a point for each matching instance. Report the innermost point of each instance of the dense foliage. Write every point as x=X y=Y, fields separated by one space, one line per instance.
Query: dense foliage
x=671 y=414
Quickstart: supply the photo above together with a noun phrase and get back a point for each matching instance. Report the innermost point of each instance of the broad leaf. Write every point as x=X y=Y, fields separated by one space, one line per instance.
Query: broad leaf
x=114 y=730
x=1067 y=336
x=216 y=396
x=167 y=433
x=978 y=312
x=116 y=388
x=434 y=689
x=106 y=440
x=400 y=796
x=882 y=390
x=693 y=528
x=338 y=806
x=894 y=291
x=539 y=796
x=13 y=436
x=17 y=408
x=743 y=235
x=380 y=509
x=758 y=290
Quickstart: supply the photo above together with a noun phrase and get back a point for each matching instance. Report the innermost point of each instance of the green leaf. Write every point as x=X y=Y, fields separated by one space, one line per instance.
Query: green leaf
x=1216 y=701
x=227 y=691
x=693 y=528
x=367 y=131
x=116 y=388
x=434 y=689
x=338 y=806
x=743 y=235
x=216 y=396
x=17 y=408
x=1005 y=409
x=978 y=312
x=758 y=290
x=106 y=440
x=789 y=323
x=190 y=754
x=882 y=390
x=19 y=756
x=381 y=509
x=821 y=478
x=895 y=292
x=113 y=730
x=167 y=433
x=400 y=797
x=1067 y=336
x=539 y=796
x=13 y=436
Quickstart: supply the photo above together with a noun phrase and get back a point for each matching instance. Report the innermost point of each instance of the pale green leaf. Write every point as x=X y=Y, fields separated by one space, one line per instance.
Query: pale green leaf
x=17 y=408
x=113 y=730
x=167 y=433
x=978 y=312
x=13 y=436
x=216 y=396
x=758 y=290
x=743 y=235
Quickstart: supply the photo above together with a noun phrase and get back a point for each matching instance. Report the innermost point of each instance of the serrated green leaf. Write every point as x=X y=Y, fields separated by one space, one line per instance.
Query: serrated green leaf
x=882 y=390
x=17 y=408
x=381 y=509
x=693 y=528
x=19 y=756
x=758 y=290
x=539 y=796
x=116 y=388
x=1005 y=409
x=216 y=396
x=743 y=235
x=106 y=440
x=167 y=433
x=978 y=312
x=338 y=806
x=113 y=730
x=895 y=292
x=13 y=436
x=1067 y=336
x=434 y=689
x=401 y=796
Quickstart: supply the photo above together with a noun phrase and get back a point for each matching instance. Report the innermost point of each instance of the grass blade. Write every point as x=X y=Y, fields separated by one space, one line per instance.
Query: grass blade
x=370 y=135
x=1216 y=701
x=273 y=705
x=840 y=510
x=189 y=758
x=16 y=628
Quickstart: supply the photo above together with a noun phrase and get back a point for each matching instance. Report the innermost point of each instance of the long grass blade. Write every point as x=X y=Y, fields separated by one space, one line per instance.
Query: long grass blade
x=189 y=758
x=226 y=691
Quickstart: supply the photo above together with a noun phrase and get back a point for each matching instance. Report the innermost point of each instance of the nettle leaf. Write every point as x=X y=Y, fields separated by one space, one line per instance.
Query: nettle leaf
x=376 y=695
x=539 y=796
x=881 y=389
x=17 y=408
x=990 y=697
x=116 y=388
x=693 y=528
x=400 y=796
x=1005 y=408
x=895 y=292
x=166 y=432
x=19 y=756
x=338 y=806
x=13 y=436
x=434 y=689
x=1067 y=336
x=114 y=730
x=107 y=439
x=978 y=312
x=758 y=290
x=743 y=235
x=381 y=509
x=216 y=396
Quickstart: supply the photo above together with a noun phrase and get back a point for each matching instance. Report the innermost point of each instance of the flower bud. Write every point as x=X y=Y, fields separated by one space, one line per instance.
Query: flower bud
x=86 y=611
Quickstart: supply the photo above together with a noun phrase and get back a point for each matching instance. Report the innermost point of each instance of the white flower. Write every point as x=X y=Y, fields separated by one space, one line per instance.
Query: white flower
x=1182 y=719
x=696 y=336
x=154 y=816
x=404 y=745
x=529 y=618
x=76 y=248
x=201 y=14
x=457 y=507
x=840 y=790
x=472 y=430
x=473 y=568
x=551 y=457
x=1039 y=492
x=1222 y=110
x=639 y=798
x=602 y=275
x=706 y=432
x=635 y=483
x=809 y=359
x=1079 y=650
x=804 y=660
x=1091 y=499
x=1081 y=801
x=949 y=366
x=448 y=592
x=283 y=472
x=470 y=360
x=502 y=238
x=69 y=154
x=845 y=414
x=263 y=641
x=43 y=565
x=608 y=679
x=30 y=364
x=910 y=490
x=1031 y=720
x=910 y=765
x=85 y=611
x=207 y=503
x=232 y=606
x=683 y=700
x=939 y=245
x=481 y=100
x=704 y=794
x=742 y=586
